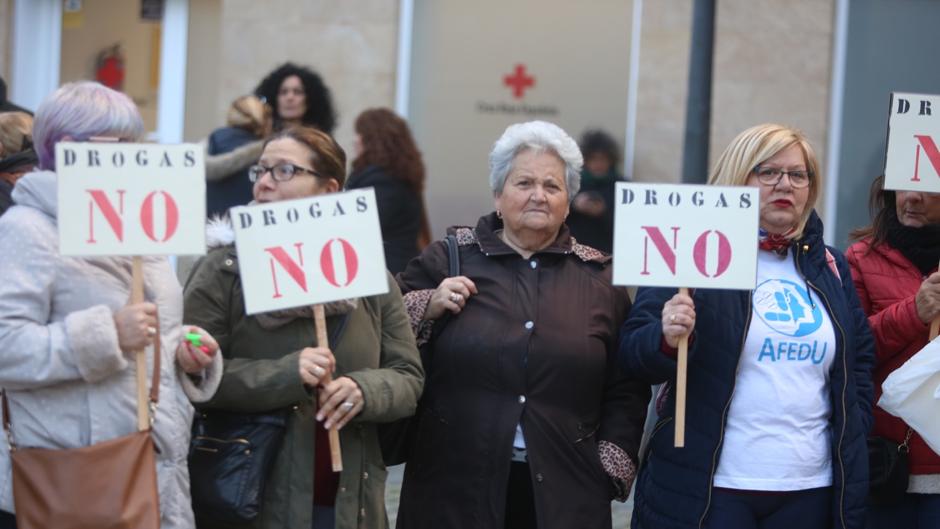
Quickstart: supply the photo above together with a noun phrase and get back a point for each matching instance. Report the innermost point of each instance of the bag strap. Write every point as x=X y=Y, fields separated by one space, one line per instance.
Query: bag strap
x=155 y=377
x=453 y=256
x=337 y=334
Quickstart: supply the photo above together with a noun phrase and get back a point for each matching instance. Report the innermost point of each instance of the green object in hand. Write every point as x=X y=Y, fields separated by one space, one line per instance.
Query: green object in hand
x=194 y=338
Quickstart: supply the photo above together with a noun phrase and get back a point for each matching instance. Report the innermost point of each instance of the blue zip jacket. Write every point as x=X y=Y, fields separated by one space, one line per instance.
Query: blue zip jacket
x=674 y=487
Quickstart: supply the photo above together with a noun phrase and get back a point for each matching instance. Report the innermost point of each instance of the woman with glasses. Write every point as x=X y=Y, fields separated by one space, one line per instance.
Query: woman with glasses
x=273 y=361
x=779 y=381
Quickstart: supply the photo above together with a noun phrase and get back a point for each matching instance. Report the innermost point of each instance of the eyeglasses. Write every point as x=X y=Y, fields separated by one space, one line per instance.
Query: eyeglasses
x=281 y=172
x=771 y=176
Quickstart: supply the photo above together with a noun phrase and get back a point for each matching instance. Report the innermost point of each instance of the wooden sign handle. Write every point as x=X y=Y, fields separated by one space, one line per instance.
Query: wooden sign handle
x=137 y=296
x=323 y=340
x=934 y=328
x=681 y=369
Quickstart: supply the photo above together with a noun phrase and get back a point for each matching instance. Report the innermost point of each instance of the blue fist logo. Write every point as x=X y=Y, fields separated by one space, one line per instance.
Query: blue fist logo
x=785 y=307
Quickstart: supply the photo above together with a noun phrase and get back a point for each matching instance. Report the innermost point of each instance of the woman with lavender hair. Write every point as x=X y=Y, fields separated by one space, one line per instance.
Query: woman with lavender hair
x=67 y=331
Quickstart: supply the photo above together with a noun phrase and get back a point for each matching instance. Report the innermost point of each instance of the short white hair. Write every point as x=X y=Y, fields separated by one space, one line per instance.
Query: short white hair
x=539 y=136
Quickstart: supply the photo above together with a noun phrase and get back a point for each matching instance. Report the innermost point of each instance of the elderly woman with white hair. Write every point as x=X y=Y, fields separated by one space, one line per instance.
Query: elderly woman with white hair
x=526 y=421
x=68 y=334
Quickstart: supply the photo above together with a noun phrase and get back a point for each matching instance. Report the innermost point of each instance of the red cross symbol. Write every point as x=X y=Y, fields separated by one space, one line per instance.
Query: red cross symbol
x=519 y=81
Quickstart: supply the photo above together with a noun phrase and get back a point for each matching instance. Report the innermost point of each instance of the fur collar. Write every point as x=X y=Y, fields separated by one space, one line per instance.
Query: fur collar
x=219 y=232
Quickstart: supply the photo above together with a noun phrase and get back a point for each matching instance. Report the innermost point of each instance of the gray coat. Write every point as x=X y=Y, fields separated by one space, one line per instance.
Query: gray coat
x=68 y=382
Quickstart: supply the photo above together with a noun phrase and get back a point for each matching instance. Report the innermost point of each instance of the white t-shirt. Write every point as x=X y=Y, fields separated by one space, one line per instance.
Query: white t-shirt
x=777 y=435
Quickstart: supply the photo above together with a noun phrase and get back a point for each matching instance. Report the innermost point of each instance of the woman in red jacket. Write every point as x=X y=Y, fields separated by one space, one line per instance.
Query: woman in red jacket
x=894 y=266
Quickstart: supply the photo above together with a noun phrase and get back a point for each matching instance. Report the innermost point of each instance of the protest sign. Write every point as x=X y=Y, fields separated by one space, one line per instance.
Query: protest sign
x=309 y=252
x=314 y=250
x=131 y=199
x=912 y=158
x=685 y=236
x=672 y=235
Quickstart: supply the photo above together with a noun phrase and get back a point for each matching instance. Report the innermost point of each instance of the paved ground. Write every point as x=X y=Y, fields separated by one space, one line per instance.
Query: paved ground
x=393 y=488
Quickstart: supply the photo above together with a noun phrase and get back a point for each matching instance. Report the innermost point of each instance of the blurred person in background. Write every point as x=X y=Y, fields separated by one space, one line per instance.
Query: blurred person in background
x=298 y=97
x=894 y=266
x=387 y=159
x=17 y=156
x=592 y=211
x=5 y=104
x=248 y=122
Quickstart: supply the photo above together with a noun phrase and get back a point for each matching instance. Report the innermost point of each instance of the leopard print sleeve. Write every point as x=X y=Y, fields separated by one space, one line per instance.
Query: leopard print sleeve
x=619 y=467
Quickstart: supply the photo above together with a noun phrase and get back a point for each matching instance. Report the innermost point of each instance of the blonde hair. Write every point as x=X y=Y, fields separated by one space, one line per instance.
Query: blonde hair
x=16 y=132
x=755 y=146
x=250 y=113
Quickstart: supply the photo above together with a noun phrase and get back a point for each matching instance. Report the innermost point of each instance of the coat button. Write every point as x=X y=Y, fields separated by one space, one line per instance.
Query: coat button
x=805 y=247
x=362 y=513
x=529 y=324
x=342 y=489
x=521 y=399
x=365 y=475
x=538 y=477
x=229 y=262
x=533 y=264
x=295 y=407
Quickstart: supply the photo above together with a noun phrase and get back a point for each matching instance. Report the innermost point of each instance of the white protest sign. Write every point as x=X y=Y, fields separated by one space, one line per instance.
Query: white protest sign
x=131 y=199
x=314 y=250
x=912 y=160
x=694 y=236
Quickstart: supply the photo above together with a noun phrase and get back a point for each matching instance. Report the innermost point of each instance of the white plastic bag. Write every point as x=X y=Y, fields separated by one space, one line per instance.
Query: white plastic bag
x=912 y=392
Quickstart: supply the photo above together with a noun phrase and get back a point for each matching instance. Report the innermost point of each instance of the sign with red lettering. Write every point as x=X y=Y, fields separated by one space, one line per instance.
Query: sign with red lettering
x=131 y=199
x=314 y=250
x=693 y=236
x=912 y=160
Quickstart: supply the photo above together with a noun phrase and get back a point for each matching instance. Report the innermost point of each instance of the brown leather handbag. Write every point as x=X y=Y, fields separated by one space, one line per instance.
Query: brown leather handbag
x=108 y=484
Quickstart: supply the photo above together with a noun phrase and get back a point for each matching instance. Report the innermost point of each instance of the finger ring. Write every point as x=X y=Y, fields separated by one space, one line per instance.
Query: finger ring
x=455 y=297
x=317 y=370
x=347 y=405
x=151 y=332
x=672 y=318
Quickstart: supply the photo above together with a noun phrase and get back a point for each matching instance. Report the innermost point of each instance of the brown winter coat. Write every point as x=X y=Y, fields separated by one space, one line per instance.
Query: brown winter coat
x=537 y=345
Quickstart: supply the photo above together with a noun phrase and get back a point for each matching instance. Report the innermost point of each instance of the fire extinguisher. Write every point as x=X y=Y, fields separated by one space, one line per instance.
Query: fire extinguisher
x=109 y=67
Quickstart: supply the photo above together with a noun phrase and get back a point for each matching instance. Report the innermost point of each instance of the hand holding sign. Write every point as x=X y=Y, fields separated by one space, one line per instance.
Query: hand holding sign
x=136 y=325
x=678 y=318
x=685 y=236
x=308 y=252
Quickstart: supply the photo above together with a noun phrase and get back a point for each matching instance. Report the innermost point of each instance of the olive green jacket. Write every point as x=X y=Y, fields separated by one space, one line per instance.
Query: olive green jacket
x=377 y=350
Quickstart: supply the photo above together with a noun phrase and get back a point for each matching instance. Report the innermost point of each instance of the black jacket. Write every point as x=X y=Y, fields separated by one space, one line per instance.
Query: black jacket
x=399 y=214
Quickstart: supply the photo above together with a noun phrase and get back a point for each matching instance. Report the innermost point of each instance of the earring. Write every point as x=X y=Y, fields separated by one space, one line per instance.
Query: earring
x=499 y=214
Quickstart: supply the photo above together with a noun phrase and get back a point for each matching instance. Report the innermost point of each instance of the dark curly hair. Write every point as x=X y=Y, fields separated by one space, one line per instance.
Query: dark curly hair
x=320 y=112
x=387 y=143
x=598 y=141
